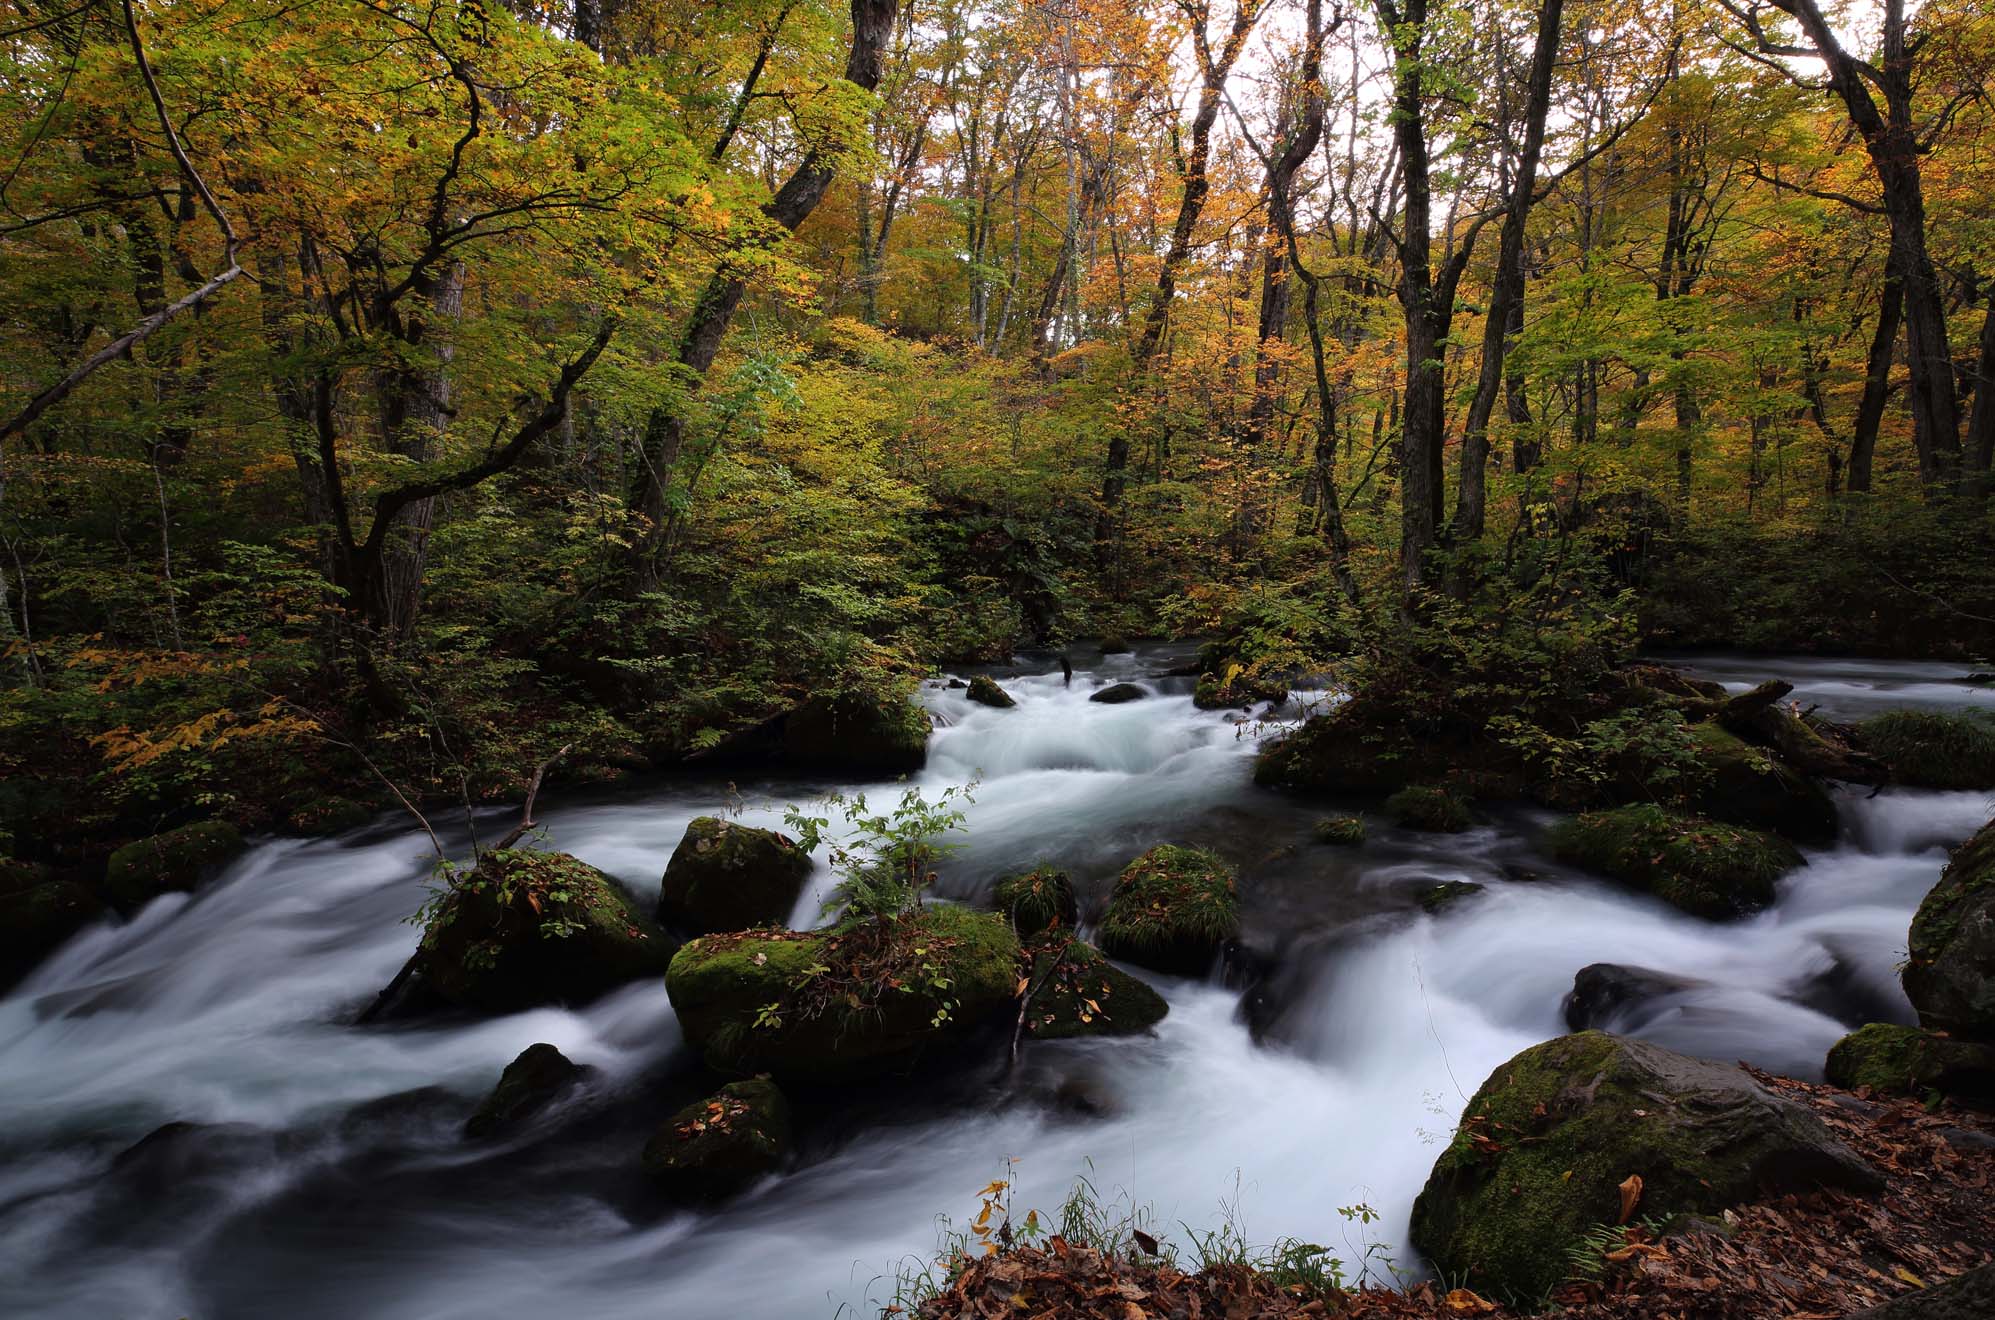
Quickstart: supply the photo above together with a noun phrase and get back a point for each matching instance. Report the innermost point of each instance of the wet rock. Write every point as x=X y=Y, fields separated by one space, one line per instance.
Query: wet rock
x=1603 y=993
x=429 y=1110
x=1115 y=644
x=1550 y=1139
x=985 y=692
x=728 y=876
x=177 y=860
x=1340 y=831
x=716 y=1147
x=526 y=928
x=1970 y=1296
x=1894 y=1060
x=178 y=1158
x=1173 y=910
x=1075 y=991
x=1119 y=693
x=537 y=1078
x=858 y=734
x=38 y=914
x=1444 y=896
x=854 y=1001
x=1703 y=867
x=1434 y=810
x=1931 y=749
x=1036 y=900
x=1950 y=974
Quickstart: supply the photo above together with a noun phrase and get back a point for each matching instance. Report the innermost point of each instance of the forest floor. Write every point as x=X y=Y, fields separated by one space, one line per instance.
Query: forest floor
x=1812 y=1257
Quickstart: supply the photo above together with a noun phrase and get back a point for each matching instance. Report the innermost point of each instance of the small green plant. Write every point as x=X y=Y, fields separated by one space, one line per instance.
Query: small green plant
x=890 y=856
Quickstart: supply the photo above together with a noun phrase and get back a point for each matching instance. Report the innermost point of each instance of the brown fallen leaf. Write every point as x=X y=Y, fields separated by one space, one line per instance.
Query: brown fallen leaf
x=1631 y=1196
x=1463 y=1302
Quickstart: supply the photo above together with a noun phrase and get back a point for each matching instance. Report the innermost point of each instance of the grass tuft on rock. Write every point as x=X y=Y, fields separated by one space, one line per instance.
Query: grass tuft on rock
x=1173 y=908
x=1703 y=867
x=1434 y=810
x=1929 y=749
x=1340 y=831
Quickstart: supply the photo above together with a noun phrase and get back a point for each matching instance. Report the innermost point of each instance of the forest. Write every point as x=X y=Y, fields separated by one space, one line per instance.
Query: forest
x=1278 y=487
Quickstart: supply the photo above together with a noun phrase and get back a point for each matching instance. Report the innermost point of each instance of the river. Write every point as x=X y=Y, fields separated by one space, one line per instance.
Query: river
x=330 y=1178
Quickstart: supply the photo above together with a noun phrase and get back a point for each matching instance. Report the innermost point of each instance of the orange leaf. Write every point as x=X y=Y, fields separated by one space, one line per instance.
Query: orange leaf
x=1631 y=1195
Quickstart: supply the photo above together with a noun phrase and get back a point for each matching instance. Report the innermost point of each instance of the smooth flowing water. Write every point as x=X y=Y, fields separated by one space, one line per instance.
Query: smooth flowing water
x=326 y=1174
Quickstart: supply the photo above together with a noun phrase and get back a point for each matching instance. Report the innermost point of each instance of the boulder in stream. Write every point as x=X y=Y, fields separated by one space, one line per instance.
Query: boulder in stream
x=1119 y=693
x=38 y=913
x=177 y=860
x=716 y=1147
x=1036 y=900
x=1603 y=994
x=1932 y=749
x=856 y=1000
x=524 y=928
x=985 y=691
x=1895 y=1060
x=1439 y=898
x=1340 y=831
x=1558 y=1139
x=1950 y=974
x=1434 y=810
x=540 y=1075
x=857 y=733
x=1703 y=867
x=1173 y=910
x=728 y=876
x=1076 y=991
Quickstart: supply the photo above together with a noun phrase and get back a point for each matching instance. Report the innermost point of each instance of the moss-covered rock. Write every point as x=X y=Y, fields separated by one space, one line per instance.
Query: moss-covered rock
x=1950 y=975
x=1037 y=899
x=1117 y=694
x=327 y=815
x=1747 y=785
x=866 y=735
x=1435 y=810
x=716 y=1147
x=1076 y=991
x=1546 y=1144
x=1705 y=868
x=1237 y=691
x=525 y=928
x=1340 y=831
x=38 y=914
x=985 y=691
x=859 y=999
x=1444 y=896
x=1115 y=644
x=728 y=876
x=1895 y=1060
x=175 y=861
x=1173 y=910
x=531 y=1082
x=1930 y=749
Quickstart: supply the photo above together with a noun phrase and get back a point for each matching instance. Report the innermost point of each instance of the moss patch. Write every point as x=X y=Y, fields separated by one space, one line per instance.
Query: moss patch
x=1444 y=896
x=1705 y=868
x=1172 y=910
x=1928 y=749
x=1340 y=831
x=177 y=860
x=1433 y=809
x=1037 y=899
x=1744 y=785
x=1950 y=974
x=1895 y=1060
x=985 y=692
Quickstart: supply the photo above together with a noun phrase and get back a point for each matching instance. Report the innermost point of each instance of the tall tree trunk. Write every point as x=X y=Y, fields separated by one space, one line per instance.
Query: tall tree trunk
x=414 y=400
x=1876 y=380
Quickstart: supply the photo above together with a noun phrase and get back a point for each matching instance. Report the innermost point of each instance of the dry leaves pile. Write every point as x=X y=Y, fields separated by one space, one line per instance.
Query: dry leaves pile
x=1798 y=1258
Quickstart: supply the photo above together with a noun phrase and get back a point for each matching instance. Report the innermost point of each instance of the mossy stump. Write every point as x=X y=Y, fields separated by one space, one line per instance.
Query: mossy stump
x=176 y=861
x=719 y=1146
x=1912 y=1061
x=1702 y=867
x=728 y=876
x=1950 y=974
x=1549 y=1141
x=1036 y=900
x=1173 y=910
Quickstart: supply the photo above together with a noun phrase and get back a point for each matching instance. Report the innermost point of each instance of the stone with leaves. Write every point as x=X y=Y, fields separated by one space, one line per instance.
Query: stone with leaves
x=1174 y=909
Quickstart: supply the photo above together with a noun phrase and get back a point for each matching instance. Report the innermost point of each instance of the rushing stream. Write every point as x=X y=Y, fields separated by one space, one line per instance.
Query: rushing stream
x=329 y=1176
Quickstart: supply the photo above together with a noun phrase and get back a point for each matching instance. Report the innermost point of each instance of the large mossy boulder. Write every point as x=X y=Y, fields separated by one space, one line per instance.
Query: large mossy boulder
x=38 y=914
x=984 y=690
x=1932 y=749
x=1076 y=991
x=859 y=999
x=1747 y=785
x=857 y=733
x=1036 y=900
x=716 y=1147
x=526 y=928
x=728 y=876
x=176 y=861
x=1173 y=910
x=539 y=1076
x=1895 y=1060
x=1703 y=867
x=1950 y=973
x=1547 y=1145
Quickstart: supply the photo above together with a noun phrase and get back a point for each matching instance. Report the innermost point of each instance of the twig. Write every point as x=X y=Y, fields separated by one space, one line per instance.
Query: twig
x=532 y=791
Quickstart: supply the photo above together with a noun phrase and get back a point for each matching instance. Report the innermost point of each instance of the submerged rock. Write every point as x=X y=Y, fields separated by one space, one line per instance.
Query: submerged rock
x=1950 y=975
x=985 y=692
x=38 y=914
x=177 y=860
x=729 y=876
x=1894 y=1060
x=1602 y=993
x=1340 y=831
x=1036 y=900
x=1446 y=895
x=525 y=928
x=1703 y=867
x=538 y=1077
x=1434 y=810
x=1119 y=693
x=1076 y=991
x=716 y=1147
x=863 y=734
x=1549 y=1143
x=1930 y=749
x=1173 y=910
x=830 y=1005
